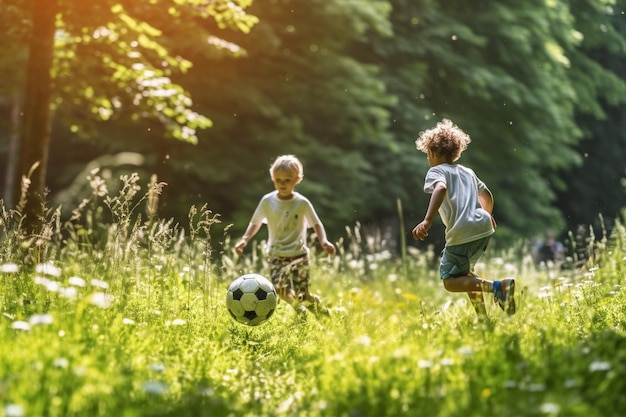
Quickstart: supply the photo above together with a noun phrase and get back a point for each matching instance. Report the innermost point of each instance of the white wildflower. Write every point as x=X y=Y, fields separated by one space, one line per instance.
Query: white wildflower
x=599 y=366
x=40 y=319
x=9 y=268
x=155 y=387
x=363 y=340
x=424 y=364
x=157 y=367
x=102 y=300
x=77 y=282
x=50 y=285
x=61 y=363
x=70 y=293
x=100 y=284
x=510 y=384
x=20 y=325
x=13 y=410
x=446 y=362
x=466 y=350
x=48 y=269
x=549 y=408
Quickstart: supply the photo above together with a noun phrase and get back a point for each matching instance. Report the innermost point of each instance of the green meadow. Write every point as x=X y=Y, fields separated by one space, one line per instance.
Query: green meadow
x=114 y=312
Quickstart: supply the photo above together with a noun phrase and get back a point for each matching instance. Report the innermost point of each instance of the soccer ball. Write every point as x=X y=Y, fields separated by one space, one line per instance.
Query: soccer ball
x=251 y=299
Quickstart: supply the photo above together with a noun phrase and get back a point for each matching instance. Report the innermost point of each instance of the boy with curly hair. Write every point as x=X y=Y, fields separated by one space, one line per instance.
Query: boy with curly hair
x=465 y=205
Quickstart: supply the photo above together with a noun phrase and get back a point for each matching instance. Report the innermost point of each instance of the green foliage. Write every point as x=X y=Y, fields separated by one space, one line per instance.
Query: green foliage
x=516 y=80
x=13 y=52
x=346 y=85
x=294 y=91
x=125 y=71
x=128 y=319
x=600 y=177
x=116 y=59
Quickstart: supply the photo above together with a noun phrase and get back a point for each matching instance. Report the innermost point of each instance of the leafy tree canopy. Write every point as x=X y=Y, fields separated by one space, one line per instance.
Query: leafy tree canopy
x=347 y=86
x=114 y=57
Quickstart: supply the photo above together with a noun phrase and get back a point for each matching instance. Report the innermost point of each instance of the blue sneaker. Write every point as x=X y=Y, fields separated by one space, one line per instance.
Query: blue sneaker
x=504 y=295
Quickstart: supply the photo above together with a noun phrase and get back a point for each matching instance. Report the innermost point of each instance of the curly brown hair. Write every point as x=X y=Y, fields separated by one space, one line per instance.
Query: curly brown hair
x=446 y=140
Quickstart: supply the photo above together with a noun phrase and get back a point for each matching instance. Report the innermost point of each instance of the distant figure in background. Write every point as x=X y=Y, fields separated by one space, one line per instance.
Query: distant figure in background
x=549 y=251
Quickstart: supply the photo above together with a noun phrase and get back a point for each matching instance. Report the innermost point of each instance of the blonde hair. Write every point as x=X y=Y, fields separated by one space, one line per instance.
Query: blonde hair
x=446 y=140
x=287 y=163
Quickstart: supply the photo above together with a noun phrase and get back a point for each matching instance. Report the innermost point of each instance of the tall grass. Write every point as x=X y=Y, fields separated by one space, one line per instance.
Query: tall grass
x=115 y=312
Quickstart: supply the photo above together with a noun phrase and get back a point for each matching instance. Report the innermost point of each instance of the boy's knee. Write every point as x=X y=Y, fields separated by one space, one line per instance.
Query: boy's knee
x=286 y=294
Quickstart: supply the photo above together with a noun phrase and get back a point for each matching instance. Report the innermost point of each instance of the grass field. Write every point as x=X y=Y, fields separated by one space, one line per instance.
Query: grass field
x=112 y=315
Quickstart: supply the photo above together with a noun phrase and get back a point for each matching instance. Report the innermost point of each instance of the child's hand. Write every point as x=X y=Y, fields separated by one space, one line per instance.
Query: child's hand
x=421 y=230
x=328 y=247
x=239 y=247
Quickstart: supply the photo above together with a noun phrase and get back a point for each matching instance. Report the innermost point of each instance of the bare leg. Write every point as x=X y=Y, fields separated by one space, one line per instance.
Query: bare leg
x=468 y=283
x=287 y=295
x=478 y=301
x=474 y=287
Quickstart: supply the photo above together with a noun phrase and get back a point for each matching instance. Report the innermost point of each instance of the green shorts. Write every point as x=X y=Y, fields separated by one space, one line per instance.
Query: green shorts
x=459 y=260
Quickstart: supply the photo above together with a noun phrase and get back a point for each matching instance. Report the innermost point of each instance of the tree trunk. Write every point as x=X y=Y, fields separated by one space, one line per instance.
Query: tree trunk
x=12 y=153
x=35 y=132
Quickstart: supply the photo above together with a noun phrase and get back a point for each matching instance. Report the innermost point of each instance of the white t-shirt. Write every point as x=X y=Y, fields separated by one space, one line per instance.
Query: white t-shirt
x=287 y=223
x=461 y=212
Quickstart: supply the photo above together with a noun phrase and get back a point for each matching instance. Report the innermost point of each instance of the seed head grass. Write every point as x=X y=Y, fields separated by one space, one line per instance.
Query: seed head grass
x=119 y=313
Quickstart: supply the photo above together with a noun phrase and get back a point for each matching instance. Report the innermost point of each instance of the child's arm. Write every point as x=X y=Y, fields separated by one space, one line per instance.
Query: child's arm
x=439 y=193
x=250 y=232
x=486 y=202
x=321 y=236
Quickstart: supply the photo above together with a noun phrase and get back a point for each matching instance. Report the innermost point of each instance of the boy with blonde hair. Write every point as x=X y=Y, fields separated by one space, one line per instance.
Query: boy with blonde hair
x=288 y=215
x=465 y=205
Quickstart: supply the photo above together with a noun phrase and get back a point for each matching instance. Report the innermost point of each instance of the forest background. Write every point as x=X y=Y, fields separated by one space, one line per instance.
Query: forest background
x=205 y=94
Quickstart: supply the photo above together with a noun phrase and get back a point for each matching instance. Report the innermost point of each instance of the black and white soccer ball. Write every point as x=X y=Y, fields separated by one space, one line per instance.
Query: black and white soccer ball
x=251 y=299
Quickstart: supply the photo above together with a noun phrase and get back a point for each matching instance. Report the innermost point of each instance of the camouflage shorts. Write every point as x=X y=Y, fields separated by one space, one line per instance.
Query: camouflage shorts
x=293 y=273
